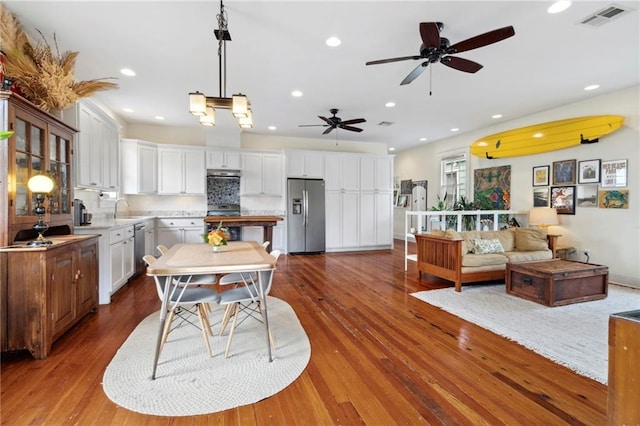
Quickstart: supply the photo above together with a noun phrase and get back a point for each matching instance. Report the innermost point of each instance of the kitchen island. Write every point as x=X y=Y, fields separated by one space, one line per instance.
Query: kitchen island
x=266 y=222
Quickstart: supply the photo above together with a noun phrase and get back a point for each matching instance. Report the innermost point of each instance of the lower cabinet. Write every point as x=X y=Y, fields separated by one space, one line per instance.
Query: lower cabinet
x=121 y=250
x=48 y=290
x=376 y=219
x=170 y=231
x=342 y=216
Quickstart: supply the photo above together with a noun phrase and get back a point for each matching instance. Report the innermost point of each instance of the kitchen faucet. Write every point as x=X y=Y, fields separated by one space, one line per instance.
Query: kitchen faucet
x=115 y=207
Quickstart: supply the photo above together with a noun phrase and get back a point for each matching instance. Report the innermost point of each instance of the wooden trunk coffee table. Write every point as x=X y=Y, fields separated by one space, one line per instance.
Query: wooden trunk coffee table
x=557 y=282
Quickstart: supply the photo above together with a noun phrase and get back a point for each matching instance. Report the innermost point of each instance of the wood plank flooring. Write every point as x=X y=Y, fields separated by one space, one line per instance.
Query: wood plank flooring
x=379 y=357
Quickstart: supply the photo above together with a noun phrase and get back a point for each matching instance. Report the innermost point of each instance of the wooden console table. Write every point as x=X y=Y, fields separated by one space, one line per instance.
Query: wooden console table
x=266 y=222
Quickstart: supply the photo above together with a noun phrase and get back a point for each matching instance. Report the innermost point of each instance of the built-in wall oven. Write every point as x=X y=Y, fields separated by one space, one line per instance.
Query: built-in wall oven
x=235 y=232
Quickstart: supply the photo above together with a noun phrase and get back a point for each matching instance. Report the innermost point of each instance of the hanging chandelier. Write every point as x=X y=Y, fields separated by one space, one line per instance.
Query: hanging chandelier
x=204 y=106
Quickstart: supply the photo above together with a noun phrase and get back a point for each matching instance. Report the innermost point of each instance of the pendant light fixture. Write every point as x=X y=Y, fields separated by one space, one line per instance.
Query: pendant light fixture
x=204 y=106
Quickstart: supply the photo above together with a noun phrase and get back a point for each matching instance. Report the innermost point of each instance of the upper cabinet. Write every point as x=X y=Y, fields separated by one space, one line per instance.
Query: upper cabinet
x=222 y=159
x=41 y=144
x=97 y=146
x=139 y=167
x=262 y=174
x=305 y=164
x=376 y=173
x=342 y=172
x=181 y=170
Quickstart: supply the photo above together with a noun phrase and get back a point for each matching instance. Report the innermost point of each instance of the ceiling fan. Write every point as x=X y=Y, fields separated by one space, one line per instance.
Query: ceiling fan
x=336 y=122
x=437 y=49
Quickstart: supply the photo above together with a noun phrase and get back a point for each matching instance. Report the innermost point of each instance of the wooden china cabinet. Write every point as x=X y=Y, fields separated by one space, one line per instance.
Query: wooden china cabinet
x=45 y=290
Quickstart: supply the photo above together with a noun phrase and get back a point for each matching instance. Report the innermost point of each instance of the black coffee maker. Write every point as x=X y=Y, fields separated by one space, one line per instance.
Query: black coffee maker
x=79 y=213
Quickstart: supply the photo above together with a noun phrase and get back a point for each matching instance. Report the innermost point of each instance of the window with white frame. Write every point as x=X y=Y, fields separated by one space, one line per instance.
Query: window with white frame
x=453 y=178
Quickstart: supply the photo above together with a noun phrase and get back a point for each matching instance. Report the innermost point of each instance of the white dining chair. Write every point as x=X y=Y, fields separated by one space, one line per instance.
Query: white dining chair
x=244 y=298
x=185 y=300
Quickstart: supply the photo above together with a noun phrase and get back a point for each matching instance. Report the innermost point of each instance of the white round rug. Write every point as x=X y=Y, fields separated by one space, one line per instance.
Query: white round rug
x=189 y=383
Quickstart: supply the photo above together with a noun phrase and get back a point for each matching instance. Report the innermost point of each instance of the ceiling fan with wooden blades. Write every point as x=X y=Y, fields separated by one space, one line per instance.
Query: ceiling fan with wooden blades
x=437 y=49
x=336 y=122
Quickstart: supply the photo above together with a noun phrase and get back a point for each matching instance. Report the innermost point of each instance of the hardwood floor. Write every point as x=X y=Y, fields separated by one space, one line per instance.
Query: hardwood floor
x=379 y=357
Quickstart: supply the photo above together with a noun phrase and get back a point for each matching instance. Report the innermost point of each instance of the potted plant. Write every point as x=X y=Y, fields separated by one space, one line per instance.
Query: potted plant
x=464 y=204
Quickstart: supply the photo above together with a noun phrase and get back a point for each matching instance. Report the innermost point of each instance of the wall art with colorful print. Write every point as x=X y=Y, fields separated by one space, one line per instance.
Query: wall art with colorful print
x=613 y=199
x=492 y=188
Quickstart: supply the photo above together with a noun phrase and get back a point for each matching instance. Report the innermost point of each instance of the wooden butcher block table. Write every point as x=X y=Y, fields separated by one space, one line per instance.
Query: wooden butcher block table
x=557 y=282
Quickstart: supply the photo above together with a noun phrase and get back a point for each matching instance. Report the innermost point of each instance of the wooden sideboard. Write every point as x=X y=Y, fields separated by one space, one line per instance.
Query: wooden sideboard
x=45 y=291
x=624 y=369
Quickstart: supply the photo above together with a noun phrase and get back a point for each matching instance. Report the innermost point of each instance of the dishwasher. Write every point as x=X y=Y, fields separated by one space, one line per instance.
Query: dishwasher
x=139 y=248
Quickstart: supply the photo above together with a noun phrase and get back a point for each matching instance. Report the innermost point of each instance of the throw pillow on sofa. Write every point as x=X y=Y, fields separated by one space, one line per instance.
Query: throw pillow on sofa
x=531 y=239
x=482 y=246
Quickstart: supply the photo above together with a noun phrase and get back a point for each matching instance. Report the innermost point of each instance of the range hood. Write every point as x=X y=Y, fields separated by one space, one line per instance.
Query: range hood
x=224 y=173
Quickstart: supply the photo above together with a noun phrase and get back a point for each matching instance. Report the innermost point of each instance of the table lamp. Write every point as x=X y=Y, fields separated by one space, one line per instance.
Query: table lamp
x=543 y=217
x=40 y=185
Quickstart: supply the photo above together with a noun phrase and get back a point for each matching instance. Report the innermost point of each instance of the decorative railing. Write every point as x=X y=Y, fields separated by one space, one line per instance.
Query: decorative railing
x=460 y=220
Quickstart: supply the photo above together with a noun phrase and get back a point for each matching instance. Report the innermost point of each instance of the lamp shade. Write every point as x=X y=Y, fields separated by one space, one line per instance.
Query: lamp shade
x=246 y=122
x=197 y=104
x=209 y=119
x=40 y=184
x=240 y=106
x=543 y=216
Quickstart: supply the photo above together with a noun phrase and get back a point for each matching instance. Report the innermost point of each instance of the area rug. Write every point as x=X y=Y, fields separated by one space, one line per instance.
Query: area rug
x=188 y=382
x=575 y=336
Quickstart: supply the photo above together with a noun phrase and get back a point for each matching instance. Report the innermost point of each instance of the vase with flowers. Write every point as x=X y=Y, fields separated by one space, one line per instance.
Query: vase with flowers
x=218 y=237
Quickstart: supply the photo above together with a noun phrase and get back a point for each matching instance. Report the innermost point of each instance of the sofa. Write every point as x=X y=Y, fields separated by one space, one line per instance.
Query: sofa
x=476 y=256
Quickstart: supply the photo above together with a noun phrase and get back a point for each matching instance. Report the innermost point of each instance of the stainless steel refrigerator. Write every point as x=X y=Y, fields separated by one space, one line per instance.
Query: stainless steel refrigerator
x=305 y=216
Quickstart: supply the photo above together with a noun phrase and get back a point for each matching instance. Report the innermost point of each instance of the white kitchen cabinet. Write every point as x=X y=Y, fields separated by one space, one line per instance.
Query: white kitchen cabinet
x=376 y=173
x=342 y=172
x=96 y=148
x=261 y=174
x=121 y=249
x=376 y=218
x=116 y=261
x=150 y=237
x=342 y=217
x=222 y=159
x=170 y=231
x=139 y=167
x=181 y=171
x=305 y=164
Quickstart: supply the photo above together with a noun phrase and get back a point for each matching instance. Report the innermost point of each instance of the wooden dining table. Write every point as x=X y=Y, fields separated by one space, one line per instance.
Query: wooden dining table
x=199 y=259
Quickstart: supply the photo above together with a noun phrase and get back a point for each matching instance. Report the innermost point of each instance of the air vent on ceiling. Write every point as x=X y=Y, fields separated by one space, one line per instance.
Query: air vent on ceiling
x=605 y=15
x=385 y=123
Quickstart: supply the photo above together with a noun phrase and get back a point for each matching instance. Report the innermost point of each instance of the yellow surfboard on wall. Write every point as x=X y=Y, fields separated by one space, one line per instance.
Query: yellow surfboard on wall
x=546 y=137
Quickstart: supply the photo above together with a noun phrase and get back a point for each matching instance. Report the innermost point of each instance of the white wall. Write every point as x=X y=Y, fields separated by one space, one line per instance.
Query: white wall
x=611 y=235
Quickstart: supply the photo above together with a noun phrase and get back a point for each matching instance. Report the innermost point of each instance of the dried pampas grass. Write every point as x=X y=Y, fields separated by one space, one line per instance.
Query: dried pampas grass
x=42 y=73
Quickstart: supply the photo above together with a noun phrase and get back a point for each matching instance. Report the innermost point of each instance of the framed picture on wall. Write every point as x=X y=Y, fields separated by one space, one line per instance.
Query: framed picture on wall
x=541 y=176
x=403 y=200
x=563 y=199
x=564 y=172
x=541 y=197
x=589 y=171
x=614 y=173
x=587 y=196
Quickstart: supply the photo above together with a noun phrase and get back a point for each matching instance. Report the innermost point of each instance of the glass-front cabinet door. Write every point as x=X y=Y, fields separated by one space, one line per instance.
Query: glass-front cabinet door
x=40 y=145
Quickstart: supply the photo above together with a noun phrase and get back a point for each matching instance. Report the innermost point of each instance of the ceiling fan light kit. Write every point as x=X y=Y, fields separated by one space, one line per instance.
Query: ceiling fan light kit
x=435 y=48
x=204 y=106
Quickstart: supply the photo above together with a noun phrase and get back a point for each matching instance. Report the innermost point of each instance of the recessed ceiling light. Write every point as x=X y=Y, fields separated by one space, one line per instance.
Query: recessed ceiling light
x=159 y=117
x=333 y=41
x=127 y=109
x=272 y=127
x=128 y=72
x=496 y=116
x=391 y=148
x=559 y=6
x=592 y=87
x=390 y=104
x=423 y=139
x=455 y=129
x=296 y=93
